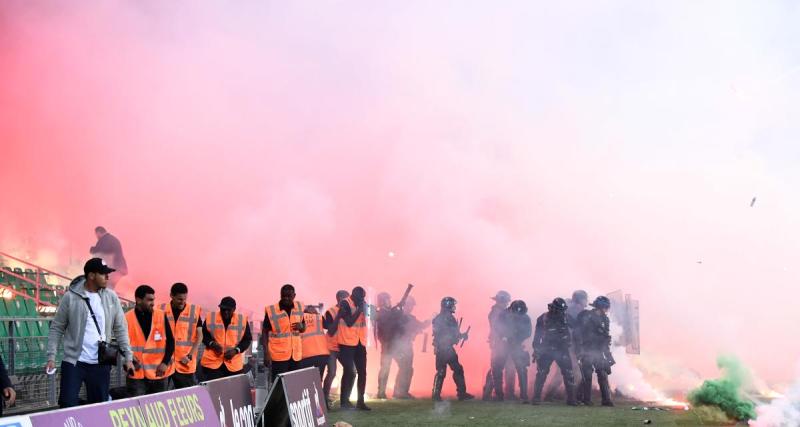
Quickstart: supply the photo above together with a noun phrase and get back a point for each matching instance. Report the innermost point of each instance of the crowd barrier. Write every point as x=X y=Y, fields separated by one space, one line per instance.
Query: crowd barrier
x=296 y=399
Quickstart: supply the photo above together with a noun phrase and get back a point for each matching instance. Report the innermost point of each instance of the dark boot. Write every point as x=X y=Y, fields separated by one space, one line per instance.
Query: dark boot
x=361 y=406
x=605 y=390
x=538 y=386
x=488 y=386
x=569 y=388
x=381 y=388
x=523 y=391
x=497 y=381
x=586 y=386
x=461 y=385
x=438 y=381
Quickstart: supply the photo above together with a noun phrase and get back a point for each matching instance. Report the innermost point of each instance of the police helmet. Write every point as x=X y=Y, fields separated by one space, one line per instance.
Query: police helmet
x=502 y=297
x=384 y=299
x=518 y=306
x=601 y=302
x=449 y=303
x=580 y=295
x=558 y=304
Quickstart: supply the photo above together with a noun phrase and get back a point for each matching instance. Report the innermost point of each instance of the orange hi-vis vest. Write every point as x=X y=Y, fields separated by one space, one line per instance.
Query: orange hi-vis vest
x=148 y=351
x=333 y=341
x=352 y=335
x=284 y=344
x=184 y=329
x=228 y=338
x=314 y=342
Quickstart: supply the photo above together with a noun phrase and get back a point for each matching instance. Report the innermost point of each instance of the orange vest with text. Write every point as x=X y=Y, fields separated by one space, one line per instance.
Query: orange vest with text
x=284 y=344
x=314 y=342
x=352 y=335
x=228 y=338
x=148 y=351
x=184 y=329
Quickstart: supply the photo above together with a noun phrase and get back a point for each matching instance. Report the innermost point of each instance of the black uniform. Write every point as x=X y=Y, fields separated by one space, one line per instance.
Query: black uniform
x=445 y=336
x=390 y=323
x=551 y=343
x=404 y=351
x=495 y=346
x=593 y=346
x=513 y=329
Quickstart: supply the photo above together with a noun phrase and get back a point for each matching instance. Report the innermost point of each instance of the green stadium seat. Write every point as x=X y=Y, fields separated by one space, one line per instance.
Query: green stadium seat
x=31 y=308
x=3 y=309
x=21 y=329
x=11 y=306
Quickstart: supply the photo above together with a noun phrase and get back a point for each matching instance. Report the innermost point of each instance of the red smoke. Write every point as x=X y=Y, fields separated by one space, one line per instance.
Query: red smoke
x=240 y=147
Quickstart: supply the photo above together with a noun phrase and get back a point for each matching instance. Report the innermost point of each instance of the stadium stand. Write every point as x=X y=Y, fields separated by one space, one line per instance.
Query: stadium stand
x=29 y=295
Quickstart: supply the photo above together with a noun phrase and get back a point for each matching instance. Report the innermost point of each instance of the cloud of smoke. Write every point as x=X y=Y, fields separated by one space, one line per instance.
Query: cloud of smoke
x=782 y=411
x=534 y=147
x=727 y=392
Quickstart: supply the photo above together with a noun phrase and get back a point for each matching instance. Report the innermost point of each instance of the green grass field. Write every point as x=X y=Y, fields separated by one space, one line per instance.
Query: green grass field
x=478 y=413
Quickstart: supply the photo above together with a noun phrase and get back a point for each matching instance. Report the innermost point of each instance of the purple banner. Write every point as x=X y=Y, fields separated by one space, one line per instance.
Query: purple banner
x=232 y=399
x=186 y=407
x=304 y=397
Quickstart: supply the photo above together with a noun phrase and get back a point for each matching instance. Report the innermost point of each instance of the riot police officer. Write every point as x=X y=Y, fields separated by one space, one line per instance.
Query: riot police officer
x=446 y=335
x=593 y=347
x=514 y=328
x=501 y=300
x=551 y=343
x=389 y=324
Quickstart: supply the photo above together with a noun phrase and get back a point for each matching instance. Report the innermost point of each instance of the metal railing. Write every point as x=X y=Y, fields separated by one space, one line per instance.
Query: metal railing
x=25 y=359
x=38 y=283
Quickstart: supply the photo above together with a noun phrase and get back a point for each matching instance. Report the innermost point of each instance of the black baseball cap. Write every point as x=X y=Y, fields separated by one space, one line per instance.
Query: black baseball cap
x=228 y=302
x=97 y=265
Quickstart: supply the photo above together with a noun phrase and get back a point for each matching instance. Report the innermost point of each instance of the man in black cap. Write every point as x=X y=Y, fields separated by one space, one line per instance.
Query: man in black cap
x=87 y=315
x=226 y=335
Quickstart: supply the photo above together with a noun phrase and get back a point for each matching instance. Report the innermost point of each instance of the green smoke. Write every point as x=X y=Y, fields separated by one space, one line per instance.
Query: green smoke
x=725 y=393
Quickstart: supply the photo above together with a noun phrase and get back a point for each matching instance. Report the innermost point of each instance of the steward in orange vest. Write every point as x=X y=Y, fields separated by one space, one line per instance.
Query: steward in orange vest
x=186 y=322
x=152 y=345
x=226 y=335
x=283 y=324
x=352 y=338
x=331 y=325
x=315 y=344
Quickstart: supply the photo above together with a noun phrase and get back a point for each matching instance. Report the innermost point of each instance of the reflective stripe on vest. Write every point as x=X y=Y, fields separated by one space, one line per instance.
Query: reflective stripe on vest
x=185 y=332
x=284 y=344
x=352 y=335
x=227 y=338
x=148 y=351
x=314 y=342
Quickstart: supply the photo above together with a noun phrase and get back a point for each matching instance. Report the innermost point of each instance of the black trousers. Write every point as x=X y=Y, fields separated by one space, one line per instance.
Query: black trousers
x=594 y=362
x=96 y=377
x=144 y=386
x=320 y=362
x=519 y=362
x=217 y=373
x=354 y=360
x=448 y=357
x=333 y=360
x=283 y=367
x=544 y=362
x=180 y=380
